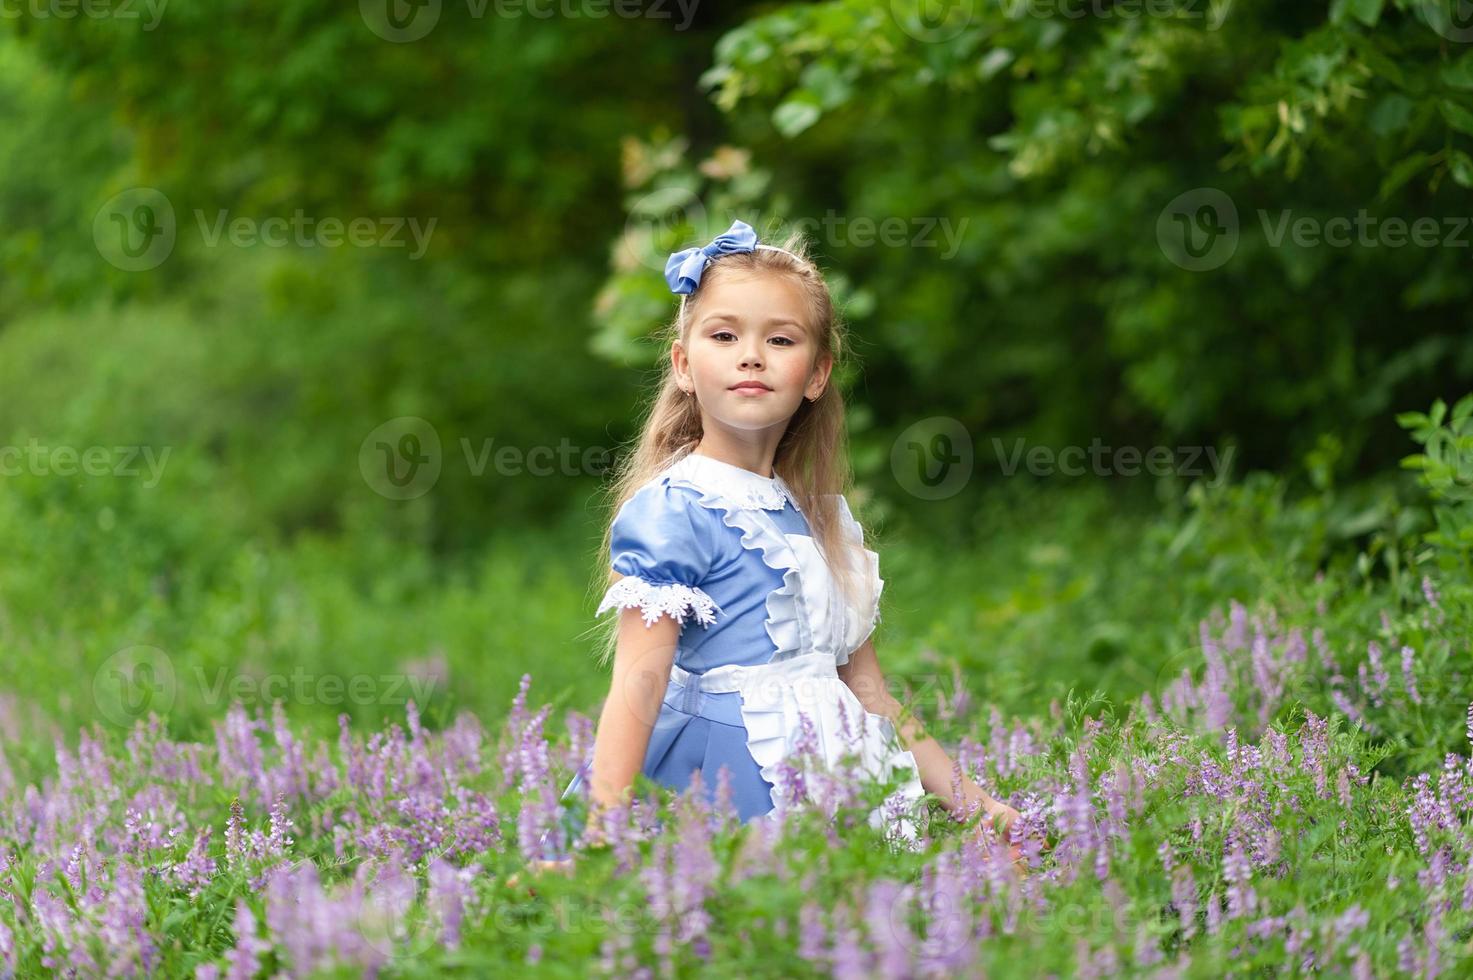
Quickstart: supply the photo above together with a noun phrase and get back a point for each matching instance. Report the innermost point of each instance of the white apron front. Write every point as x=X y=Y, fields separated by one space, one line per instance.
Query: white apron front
x=775 y=695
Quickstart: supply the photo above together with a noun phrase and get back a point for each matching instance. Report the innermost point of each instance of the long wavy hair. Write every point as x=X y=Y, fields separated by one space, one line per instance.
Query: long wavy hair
x=812 y=456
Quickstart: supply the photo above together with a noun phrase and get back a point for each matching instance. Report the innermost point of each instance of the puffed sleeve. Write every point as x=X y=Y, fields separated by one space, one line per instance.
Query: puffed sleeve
x=862 y=617
x=662 y=542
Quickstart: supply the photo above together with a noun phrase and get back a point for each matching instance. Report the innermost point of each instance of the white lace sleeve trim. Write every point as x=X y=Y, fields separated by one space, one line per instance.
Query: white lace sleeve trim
x=655 y=600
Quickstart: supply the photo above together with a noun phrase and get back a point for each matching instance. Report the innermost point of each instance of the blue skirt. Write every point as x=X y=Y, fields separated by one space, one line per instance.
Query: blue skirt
x=681 y=742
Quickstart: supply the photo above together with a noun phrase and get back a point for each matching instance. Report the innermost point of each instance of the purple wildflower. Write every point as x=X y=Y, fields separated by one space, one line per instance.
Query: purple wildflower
x=1408 y=678
x=234 y=834
x=889 y=931
x=448 y=895
x=1242 y=900
x=278 y=840
x=1214 y=914
x=1237 y=635
x=516 y=720
x=812 y=934
x=195 y=872
x=1215 y=682
x=1381 y=680
x=244 y=959
x=1184 y=899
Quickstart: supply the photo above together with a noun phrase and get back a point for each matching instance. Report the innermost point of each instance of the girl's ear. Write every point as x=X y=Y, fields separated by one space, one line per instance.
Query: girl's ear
x=820 y=378
x=679 y=364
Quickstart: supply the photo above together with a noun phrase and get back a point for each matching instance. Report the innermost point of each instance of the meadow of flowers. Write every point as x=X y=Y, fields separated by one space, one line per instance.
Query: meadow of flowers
x=1292 y=794
x=1292 y=801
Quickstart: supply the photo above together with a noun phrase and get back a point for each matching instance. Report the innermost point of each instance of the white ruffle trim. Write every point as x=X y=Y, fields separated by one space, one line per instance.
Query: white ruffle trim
x=869 y=613
x=767 y=498
x=792 y=629
x=742 y=487
x=786 y=626
x=655 y=600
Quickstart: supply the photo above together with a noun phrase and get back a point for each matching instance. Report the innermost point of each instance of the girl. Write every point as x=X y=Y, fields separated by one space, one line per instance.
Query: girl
x=746 y=596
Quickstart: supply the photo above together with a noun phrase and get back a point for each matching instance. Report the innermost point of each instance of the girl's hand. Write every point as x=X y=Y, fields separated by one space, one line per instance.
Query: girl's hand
x=1000 y=818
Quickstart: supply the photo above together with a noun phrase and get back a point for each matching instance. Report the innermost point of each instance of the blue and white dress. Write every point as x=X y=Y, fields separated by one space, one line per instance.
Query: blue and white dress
x=729 y=553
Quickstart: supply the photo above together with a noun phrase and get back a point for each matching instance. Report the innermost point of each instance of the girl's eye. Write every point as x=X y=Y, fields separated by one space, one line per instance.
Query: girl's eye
x=720 y=334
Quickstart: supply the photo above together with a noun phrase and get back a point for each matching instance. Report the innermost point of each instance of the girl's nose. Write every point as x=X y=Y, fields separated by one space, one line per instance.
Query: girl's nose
x=751 y=359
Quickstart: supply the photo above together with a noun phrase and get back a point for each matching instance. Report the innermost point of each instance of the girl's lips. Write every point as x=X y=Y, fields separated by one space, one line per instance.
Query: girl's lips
x=751 y=389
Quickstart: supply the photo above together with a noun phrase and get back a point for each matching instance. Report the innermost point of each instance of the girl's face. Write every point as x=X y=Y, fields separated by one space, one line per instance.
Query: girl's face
x=748 y=354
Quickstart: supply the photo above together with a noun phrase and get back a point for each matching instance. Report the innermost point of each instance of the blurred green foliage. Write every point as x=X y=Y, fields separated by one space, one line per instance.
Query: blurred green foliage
x=1051 y=144
x=1028 y=159
x=991 y=193
x=1029 y=152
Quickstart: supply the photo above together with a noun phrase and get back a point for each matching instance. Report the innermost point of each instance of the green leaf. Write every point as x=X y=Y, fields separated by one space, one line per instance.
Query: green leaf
x=1367 y=520
x=1439 y=411
x=714 y=76
x=1379 y=62
x=742 y=44
x=828 y=86
x=1317 y=68
x=796 y=114
x=1391 y=114
x=177 y=917
x=993 y=62
x=1404 y=171
x=1457 y=117
x=1365 y=11
x=1461 y=166
x=1411 y=420
x=1459 y=74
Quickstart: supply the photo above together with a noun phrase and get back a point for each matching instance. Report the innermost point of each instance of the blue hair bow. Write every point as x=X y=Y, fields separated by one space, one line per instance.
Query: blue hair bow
x=683 y=269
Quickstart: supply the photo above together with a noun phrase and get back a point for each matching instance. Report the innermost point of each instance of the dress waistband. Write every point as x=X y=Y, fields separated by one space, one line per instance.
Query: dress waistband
x=808 y=676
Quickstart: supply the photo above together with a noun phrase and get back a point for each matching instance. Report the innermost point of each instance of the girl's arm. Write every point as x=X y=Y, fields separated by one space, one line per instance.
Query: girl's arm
x=863 y=675
x=642 y=662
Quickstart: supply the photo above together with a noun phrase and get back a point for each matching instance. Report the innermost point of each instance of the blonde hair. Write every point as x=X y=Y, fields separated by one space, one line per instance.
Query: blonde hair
x=812 y=457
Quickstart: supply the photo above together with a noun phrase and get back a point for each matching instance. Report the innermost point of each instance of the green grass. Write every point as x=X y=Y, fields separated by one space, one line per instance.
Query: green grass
x=1057 y=606
x=1031 y=591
